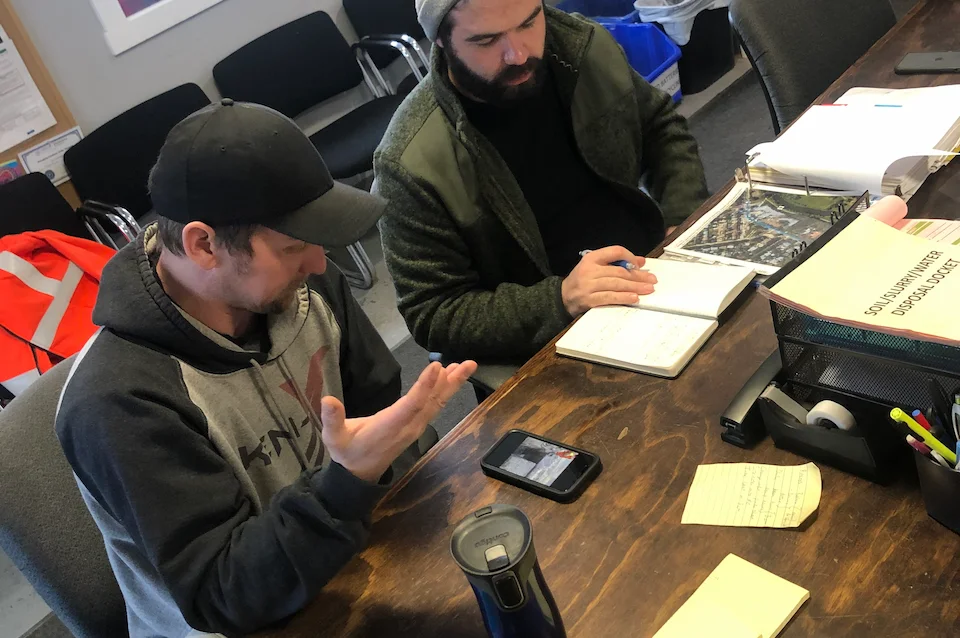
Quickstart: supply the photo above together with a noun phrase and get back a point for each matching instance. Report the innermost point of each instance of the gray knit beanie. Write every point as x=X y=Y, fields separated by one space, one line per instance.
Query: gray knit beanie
x=430 y=13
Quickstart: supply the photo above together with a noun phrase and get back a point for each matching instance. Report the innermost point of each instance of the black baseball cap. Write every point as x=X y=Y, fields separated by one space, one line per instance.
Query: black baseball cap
x=241 y=163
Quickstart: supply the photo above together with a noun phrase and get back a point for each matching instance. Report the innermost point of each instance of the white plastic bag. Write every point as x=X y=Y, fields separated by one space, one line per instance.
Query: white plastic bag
x=677 y=18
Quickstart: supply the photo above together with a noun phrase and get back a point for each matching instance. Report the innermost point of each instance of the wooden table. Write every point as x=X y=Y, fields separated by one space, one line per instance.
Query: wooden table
x=618 y=560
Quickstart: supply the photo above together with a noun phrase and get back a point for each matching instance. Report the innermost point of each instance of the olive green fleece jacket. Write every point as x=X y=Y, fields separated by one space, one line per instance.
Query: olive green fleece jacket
x=460 y=240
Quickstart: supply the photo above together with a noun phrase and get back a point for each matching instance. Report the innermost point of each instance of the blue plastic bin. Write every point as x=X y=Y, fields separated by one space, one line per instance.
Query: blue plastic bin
x=602 y=10
x=652 y=53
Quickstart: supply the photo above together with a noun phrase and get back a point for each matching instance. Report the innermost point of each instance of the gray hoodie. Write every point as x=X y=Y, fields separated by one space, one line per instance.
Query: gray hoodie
x=202 y=462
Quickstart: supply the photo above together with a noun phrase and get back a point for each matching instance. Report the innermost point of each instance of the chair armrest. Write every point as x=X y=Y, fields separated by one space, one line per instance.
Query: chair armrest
x=104 y=215
x=369 y=68
x=409 y=40
x=489 y=376
x=122 y=212
x=368 y=43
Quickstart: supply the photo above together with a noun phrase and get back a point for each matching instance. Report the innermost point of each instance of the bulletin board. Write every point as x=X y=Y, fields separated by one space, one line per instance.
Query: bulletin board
x=15 y=30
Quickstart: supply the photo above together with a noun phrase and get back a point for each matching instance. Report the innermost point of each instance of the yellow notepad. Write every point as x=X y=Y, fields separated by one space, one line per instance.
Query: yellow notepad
x=752 y=495
x=737 y=600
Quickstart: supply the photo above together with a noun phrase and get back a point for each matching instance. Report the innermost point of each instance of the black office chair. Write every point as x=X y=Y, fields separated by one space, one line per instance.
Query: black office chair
x=32 y=203
x=45 y=527
x=799 y=47
x=111 y=164
x=299 y=65
x=387 y=30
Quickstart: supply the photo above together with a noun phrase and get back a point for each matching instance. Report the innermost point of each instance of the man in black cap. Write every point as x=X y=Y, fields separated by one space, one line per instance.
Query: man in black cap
x=231 y=429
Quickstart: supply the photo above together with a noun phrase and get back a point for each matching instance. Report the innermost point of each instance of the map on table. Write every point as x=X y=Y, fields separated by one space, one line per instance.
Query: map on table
x=764 y=231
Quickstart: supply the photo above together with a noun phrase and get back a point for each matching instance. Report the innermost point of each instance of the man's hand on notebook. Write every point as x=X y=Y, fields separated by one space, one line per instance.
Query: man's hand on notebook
x=598 y=280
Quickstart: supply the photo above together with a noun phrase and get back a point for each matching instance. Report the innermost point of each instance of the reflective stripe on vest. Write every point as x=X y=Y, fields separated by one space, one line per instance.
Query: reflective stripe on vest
x=61 y=291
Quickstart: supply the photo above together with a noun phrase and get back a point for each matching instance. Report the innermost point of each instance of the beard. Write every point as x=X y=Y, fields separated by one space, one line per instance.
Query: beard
x=275 y=306
x=497 y=91
x=281 y=302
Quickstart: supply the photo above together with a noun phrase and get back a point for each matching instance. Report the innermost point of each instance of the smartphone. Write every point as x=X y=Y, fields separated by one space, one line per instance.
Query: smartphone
x=942 y=62
x=545 y=467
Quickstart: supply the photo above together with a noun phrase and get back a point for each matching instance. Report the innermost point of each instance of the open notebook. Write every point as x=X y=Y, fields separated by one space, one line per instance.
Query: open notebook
x=661 y=333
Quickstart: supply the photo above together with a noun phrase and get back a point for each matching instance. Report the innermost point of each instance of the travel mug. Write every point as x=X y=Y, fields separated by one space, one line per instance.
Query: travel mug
x=494 y=548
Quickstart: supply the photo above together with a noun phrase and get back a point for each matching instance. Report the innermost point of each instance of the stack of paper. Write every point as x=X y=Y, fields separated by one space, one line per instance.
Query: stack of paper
x=942 y=231
x=871 y=275
x=886 y=141
x=893 y=212
x=738 y=600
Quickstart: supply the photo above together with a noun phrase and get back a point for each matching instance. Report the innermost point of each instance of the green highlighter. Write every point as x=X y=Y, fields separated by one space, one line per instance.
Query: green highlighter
x=899 y=415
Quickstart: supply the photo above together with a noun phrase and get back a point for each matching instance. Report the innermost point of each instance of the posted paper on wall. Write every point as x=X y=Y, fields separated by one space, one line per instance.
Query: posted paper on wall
x=10 y=171
x=752 y=495
x=47 y=157
x=23 y=111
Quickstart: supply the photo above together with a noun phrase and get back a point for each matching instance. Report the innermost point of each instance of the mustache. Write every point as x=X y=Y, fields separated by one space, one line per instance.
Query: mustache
x=518 y=71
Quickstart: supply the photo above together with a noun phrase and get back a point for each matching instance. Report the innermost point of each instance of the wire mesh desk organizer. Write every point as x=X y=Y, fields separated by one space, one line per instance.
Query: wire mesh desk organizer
x=866 y=371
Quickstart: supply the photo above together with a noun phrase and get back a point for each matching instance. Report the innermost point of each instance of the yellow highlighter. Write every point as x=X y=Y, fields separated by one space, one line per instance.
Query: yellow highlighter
x=899 y=415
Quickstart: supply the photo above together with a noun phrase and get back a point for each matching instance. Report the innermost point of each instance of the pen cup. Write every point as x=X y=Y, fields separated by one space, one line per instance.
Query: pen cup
x=940 y=487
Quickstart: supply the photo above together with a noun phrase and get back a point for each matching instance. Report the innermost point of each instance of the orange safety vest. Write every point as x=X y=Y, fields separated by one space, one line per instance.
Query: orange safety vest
x=48 y=287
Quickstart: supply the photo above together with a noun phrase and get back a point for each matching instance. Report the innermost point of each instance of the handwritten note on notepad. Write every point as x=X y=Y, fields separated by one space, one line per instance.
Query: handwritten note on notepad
x=737 y=600
x=635 y=339
x=752 y=495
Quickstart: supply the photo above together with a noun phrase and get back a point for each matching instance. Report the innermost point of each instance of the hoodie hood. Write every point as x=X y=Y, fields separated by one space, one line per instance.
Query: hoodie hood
x=133 y=304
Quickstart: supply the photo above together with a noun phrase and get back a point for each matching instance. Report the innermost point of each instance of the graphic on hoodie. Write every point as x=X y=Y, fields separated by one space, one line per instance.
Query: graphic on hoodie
x=201 y=461
x=271 y=443
x=314 y=389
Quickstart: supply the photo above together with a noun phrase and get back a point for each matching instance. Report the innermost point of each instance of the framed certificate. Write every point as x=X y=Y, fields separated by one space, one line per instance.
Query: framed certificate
x=47 y=158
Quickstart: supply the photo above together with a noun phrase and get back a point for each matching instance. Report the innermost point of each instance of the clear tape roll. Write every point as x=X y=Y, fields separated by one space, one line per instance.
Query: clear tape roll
x=826 y=413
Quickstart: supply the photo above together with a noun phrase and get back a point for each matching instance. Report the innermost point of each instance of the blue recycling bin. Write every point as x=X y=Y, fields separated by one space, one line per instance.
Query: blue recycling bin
x=602 y=10
x=650 y=51
x=654 y=55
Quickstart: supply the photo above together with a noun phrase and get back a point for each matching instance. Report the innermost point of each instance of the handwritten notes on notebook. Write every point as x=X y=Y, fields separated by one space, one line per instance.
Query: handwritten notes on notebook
x=737 y=600
x=634 y=339
x=752 y=495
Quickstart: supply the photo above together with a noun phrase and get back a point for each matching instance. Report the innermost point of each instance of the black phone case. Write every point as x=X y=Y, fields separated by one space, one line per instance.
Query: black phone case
x=536 y=488
x=928 y=63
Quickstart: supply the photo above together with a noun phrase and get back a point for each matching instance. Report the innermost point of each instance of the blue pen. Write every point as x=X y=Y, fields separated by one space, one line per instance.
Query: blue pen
x=623 y=263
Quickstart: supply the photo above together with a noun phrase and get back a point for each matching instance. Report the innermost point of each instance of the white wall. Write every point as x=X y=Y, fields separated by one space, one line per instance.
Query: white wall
x=98 y=86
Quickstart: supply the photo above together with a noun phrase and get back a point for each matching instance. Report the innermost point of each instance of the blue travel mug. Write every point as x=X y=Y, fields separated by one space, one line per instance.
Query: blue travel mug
x=494 y=548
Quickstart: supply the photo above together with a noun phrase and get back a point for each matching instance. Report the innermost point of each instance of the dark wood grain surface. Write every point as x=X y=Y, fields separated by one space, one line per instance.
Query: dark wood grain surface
x=618 y=560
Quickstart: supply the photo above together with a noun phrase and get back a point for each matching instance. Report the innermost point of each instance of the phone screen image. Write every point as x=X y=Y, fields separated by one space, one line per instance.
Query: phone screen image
x=538 y=461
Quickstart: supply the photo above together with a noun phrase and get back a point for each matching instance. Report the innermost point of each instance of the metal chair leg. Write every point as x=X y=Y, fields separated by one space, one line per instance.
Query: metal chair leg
x=363 y=276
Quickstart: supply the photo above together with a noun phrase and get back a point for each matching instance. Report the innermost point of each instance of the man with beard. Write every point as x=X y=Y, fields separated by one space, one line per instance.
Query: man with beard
x=526 y=144
x=229 y=428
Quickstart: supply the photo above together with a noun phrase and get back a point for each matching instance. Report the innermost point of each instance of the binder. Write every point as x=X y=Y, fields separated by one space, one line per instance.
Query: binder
x=887 y=141
x=862 y=203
